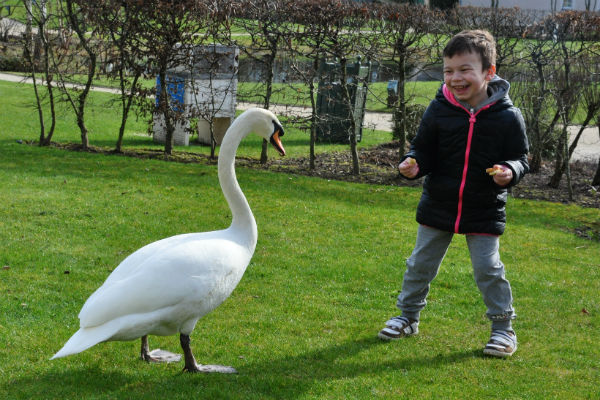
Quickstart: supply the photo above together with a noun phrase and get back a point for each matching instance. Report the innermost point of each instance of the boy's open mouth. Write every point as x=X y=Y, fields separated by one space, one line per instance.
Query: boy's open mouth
x=460 y=89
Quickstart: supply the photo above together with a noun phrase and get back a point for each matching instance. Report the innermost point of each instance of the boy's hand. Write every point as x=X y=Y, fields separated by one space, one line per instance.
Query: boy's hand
x=502 y=175
x=409 y=167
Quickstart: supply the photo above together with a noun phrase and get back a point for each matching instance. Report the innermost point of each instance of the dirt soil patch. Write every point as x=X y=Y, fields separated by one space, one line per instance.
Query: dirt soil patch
x=378 y=166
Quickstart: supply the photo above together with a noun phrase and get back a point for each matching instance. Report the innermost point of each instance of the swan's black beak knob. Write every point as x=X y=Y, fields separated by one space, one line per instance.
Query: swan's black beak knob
x=275 y=139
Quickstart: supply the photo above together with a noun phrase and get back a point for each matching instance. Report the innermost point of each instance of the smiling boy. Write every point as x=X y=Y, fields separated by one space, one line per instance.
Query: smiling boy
x=470 y=147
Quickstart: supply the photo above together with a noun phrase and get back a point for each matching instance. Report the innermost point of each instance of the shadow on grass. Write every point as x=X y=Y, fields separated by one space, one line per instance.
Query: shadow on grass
x=339 y=362
x=285 y=377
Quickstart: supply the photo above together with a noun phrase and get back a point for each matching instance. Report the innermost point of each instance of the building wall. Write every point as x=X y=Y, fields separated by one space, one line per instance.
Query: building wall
x=544 y=5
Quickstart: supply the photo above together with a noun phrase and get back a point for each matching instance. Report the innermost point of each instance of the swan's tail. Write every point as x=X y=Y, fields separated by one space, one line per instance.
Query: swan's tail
x=85 y=338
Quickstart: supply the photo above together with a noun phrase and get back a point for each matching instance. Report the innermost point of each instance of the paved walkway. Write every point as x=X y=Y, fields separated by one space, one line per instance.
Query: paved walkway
x=588 y=147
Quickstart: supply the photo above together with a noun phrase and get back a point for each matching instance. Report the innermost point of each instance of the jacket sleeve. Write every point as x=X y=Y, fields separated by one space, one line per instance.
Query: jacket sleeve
x=516 y=149
x=422 y=147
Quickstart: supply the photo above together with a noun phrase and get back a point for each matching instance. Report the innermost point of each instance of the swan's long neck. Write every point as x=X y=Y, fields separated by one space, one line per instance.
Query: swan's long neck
x=243 y=223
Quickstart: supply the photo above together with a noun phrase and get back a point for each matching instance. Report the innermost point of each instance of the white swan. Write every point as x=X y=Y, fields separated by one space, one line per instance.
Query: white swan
x=166 y=286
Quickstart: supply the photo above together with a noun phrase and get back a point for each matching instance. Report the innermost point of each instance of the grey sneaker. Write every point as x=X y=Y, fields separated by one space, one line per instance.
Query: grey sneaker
x=398 y=327
x=501 y=344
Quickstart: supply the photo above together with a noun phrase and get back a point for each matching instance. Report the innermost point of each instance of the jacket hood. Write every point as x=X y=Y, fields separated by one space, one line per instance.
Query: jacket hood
x=497 y=91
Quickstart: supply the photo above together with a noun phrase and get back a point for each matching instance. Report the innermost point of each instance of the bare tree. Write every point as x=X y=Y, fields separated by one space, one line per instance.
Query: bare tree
x=165 y=28
x=214 y=84
x=78 y=13
x=408 y=42
x=533 y=86
x=37 y=13
x=347 y=39
x=315 y=18
x=596 y=178
x=590 y=5
x=7 y=24
x=589 y=97
x=570 y=36
x=507 y=25
x=118 y=25
x=268 y=26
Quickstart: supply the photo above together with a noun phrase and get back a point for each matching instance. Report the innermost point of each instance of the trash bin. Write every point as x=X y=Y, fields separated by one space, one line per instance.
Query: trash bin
x=204 y=87
x=333 y=113
x=176 y=92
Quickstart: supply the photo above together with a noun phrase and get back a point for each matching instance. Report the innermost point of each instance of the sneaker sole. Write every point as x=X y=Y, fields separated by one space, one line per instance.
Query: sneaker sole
x=389 y=338
x=496 y=353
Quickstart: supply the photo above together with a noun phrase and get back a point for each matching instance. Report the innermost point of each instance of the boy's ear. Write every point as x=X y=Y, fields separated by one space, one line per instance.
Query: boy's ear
x=491 y=72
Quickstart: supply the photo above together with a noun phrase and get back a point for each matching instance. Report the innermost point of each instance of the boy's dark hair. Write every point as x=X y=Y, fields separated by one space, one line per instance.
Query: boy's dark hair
x=474 y=41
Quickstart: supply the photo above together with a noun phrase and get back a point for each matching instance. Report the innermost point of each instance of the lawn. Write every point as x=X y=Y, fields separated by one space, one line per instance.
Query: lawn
x=302 y=323
x=102 y=120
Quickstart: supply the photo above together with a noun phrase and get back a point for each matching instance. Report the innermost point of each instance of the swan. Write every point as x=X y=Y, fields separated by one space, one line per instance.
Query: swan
x=165 y=287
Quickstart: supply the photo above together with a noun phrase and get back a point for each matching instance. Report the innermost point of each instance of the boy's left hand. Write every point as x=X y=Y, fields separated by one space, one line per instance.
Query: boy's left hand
x=502 y=174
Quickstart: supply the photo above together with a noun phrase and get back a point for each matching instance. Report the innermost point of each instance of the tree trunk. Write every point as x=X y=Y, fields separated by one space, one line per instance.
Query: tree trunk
x=596 y=179
x=352 y=126
x=535 y=165
x=537 y=134
x=165 y=109
x=313 y=127
x=313 y=116
x=50 y=90
x=82 y=98
x=267 y=104
x=400 y=116
x=569 y=152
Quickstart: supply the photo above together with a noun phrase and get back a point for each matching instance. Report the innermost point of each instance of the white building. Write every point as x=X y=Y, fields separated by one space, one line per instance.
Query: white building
x=541 y=5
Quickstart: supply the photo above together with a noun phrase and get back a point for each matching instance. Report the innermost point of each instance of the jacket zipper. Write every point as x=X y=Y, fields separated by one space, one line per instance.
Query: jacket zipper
x=463 y=182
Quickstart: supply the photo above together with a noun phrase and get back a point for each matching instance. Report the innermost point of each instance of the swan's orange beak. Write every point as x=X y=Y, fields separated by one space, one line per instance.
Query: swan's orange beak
x=276 y=142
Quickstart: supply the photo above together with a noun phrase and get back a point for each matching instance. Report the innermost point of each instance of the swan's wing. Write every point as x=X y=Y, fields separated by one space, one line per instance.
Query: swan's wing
x=136 y=260
x=187 y=272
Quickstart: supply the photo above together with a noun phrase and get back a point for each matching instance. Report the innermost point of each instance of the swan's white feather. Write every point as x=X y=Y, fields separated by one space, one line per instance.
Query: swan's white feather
x=188 y=268
x=161 y=289
x=166 y=286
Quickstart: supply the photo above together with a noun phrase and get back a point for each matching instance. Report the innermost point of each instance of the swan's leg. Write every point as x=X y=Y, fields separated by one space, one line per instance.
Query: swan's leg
x=157 y=355
x=190 y=361
x=145 y=350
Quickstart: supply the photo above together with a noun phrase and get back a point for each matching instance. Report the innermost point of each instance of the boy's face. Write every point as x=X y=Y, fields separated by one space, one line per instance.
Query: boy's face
x=466 y=79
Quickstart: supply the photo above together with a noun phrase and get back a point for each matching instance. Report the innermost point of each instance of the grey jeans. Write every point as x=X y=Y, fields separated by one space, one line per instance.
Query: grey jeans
x=424 y=263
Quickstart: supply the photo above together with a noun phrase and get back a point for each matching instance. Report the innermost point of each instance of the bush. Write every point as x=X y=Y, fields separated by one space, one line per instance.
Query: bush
x=414 y=113
x=11 y=63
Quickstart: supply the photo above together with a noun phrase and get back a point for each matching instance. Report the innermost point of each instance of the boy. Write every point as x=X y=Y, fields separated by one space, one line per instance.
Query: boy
x=470 y=146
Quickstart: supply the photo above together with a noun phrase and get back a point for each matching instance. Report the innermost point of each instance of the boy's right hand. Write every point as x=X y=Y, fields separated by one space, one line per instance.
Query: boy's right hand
x=409 y=167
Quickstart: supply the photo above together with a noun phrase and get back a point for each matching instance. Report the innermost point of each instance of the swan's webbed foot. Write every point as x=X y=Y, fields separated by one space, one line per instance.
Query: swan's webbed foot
x=192 y=366
x=161 y=356
x=219 y=369
x=157 y=355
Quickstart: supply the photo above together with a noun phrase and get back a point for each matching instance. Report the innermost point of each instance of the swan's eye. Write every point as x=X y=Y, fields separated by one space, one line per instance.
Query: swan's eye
x=277 y=127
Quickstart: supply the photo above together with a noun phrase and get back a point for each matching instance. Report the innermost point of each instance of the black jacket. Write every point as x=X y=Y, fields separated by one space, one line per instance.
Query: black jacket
x=458 y=195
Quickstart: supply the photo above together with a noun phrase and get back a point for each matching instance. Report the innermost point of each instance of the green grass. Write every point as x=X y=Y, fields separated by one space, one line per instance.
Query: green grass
x=302 y=323
x=297 y=94
x=103 y=119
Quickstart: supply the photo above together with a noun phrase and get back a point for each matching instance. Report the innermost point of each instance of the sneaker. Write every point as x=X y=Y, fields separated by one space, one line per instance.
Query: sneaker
x=501 y=344
x=398 y=327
